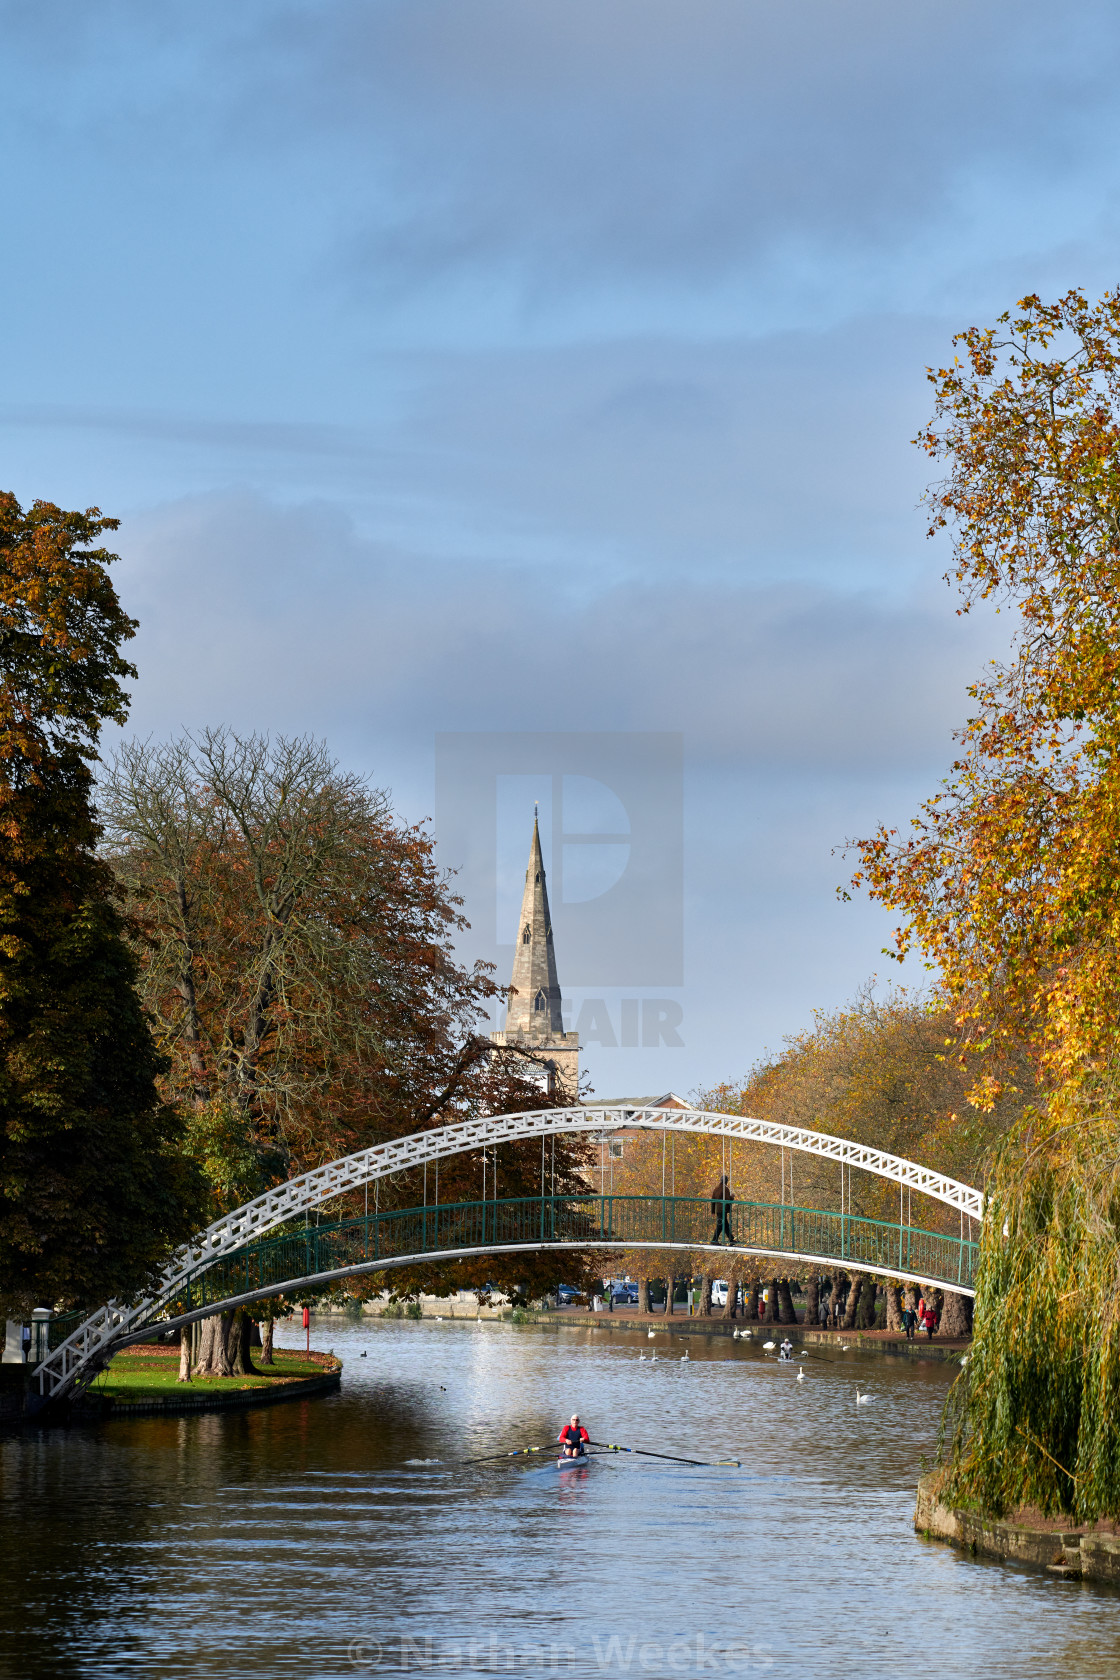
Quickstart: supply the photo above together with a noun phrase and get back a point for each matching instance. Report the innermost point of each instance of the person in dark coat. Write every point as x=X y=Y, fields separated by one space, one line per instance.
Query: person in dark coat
x=721 y=1210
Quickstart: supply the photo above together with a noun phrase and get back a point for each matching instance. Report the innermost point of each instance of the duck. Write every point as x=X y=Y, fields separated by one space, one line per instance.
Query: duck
x=862 y=1399
x=362 y=1355
x=801 y=1373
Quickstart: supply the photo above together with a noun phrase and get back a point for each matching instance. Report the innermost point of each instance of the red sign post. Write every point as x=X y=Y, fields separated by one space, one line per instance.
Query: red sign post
x=307 y=1326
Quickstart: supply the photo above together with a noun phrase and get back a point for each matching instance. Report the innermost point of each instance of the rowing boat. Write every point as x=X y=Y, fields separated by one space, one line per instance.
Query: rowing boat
x=570 y=1463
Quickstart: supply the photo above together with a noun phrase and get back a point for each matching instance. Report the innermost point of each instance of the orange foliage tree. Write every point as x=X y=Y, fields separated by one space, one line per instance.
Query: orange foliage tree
x=1009 y=881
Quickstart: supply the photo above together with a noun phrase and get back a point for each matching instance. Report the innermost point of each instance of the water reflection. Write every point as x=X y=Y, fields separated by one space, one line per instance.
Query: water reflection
x=320 y=1539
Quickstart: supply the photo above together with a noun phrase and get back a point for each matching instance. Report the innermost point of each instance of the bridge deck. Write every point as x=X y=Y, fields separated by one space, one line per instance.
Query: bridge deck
x=381 y=1240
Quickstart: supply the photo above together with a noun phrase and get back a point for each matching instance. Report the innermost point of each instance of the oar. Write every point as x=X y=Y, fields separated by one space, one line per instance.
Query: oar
x=518 y=1452
x=643 y=1452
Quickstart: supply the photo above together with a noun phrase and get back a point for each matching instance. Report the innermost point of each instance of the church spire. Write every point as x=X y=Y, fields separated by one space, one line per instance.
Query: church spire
x=534 y=1008
x=534 y=1016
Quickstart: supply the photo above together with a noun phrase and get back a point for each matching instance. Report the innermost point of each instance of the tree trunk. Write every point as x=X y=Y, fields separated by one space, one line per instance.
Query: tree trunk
x=670 y=1286
x=750 y=1305
x=812 y=1302
x=771 y=1314
x=910 y=1296
x=706 y=1297
x=211 y=1347
x=732 y=1292
x=238 y=1350
x=185 y=1354
x=266 y=1340
x=865 y=1318
x=853 y=1302
x=834 y=1299
x=643 y=1298
x=786 y=1312
x=956 y=1314
x=894 y=1306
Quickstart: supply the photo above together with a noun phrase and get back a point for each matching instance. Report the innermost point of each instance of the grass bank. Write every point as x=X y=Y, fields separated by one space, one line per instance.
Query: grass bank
x=151 y=1373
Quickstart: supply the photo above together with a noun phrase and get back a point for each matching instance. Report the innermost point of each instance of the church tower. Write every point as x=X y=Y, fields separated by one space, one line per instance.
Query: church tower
x=533 y=1013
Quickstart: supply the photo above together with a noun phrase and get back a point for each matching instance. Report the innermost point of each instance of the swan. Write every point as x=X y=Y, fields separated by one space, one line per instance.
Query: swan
x=747 y=1334
x=651 y=1334
x=862 y=1399
x=653 y=1358
x=734 y=1335
x=801 y=1373
x=684 y=1355
x=642 y=1358
x=769 y=1344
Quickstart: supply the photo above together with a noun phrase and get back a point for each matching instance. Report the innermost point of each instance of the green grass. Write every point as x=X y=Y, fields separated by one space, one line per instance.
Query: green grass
x=133 y=1376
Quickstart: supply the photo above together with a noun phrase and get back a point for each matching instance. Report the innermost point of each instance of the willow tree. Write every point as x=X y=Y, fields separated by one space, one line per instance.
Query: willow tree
x=1010 y=882
x=94 y=1191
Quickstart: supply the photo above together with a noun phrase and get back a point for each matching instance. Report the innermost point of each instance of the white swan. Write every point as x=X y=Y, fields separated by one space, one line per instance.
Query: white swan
x=801 y=1373
x=684 y=1355
x=653 y=1358
x=651 y=1334
x=769 y=1344
x=862 y=1399
x=642 y=1357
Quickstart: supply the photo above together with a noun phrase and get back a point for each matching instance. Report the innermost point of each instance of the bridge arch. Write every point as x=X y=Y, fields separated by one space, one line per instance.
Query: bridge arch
x=89 y=1347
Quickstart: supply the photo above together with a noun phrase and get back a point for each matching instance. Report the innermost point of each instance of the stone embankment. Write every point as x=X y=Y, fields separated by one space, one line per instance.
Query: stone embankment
x=1090 y=1553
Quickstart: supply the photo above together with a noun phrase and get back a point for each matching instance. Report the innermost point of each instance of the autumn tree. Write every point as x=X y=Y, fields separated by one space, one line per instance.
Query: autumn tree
x=1009 y=881
x=94 y=1190
x=296 y=949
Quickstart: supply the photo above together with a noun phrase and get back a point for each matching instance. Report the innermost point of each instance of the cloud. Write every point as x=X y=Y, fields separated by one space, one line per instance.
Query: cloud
x=285 y=618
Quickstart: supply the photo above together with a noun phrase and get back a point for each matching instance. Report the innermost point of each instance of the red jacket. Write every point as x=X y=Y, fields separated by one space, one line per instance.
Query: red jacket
x=569 y=1437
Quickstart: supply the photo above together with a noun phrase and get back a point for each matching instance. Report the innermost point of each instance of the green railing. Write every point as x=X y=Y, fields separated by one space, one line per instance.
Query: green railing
x=315 y=1251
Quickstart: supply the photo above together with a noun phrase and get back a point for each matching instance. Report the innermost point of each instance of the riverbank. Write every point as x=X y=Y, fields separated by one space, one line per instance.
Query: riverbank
x=144 y=1379
x=867 y=1341
x=1058 y=1545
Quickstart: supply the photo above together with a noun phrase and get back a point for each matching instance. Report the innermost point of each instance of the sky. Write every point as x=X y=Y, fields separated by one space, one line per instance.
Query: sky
x=547 y=369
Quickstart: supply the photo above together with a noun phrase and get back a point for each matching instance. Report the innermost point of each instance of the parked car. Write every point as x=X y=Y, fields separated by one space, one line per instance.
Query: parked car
x=625 y=1294
x=719 y=1292
x=566 y=1295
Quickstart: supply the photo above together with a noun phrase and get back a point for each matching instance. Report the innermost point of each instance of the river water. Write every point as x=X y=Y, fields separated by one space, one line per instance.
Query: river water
x=339 y=1537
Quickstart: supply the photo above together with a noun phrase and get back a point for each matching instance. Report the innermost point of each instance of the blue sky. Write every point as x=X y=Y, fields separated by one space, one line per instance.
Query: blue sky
x=550 y=365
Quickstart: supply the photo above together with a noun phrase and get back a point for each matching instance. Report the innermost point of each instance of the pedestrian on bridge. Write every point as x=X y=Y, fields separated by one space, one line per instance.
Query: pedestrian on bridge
x=721 y=1210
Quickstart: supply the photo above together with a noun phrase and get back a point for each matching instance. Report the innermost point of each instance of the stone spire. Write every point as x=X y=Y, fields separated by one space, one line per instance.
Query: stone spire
x=534 y=1016
x=534 y=1009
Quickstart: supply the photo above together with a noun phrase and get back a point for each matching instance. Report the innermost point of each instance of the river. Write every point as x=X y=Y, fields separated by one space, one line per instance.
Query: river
x=338 y=1537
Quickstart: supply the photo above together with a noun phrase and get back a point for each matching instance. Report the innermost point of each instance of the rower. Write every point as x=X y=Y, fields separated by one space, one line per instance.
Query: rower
x=573 y=1438
x=786 y=1351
